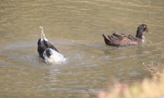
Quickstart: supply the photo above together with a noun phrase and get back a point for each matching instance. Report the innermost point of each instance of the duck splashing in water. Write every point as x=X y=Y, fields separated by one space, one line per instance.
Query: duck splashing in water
x=47 y=51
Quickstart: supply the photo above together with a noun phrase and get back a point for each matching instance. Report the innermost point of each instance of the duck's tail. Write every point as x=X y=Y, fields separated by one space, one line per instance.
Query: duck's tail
x=106 y=39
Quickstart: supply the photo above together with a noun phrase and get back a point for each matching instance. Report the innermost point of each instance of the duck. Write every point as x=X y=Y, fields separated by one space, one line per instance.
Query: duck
x=121 y=39
x=47 y=51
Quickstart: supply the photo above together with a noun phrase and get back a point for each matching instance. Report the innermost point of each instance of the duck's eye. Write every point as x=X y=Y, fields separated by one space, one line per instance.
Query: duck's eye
x=145 y=27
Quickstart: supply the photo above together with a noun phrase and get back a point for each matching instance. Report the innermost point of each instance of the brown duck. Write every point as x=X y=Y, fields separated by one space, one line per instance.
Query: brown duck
x=120 y=39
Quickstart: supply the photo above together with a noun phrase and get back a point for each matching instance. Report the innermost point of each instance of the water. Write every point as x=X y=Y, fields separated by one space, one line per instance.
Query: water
x=76 y=28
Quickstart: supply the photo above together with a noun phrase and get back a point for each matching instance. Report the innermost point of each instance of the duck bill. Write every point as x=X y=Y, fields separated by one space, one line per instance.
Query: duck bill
x=148 y=31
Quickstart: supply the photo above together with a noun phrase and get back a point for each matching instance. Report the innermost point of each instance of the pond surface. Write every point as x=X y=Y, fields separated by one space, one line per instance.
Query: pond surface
x=75 y=27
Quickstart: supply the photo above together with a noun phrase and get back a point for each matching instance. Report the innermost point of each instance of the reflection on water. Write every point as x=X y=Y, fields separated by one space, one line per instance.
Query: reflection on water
x=75 y=28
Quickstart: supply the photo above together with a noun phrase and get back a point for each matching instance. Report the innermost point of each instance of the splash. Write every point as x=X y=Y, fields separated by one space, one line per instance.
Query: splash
x=56 y=57
x=43 y=36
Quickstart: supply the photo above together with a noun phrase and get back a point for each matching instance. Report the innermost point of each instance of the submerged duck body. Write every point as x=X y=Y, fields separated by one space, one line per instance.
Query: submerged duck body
x=121 y=39
x=51 y=55
x=47 y=51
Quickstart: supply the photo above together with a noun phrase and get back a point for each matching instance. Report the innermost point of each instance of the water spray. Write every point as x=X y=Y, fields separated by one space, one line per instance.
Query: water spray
x=42 y=33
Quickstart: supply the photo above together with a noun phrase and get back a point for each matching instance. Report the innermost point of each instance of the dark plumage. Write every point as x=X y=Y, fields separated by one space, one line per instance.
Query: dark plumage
x=44 y=44
x=120 y=39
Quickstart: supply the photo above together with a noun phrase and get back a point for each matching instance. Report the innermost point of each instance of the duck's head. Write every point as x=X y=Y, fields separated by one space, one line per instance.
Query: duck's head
x=49 y=56
x=141 y=29
x=49 y=52
x=53 y=56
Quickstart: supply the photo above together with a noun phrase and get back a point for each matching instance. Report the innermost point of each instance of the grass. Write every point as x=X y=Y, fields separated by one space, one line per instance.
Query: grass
x=148 y=88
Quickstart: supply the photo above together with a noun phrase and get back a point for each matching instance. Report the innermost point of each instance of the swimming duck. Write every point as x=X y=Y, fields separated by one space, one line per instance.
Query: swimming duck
x=47 y=51
x=120 y=39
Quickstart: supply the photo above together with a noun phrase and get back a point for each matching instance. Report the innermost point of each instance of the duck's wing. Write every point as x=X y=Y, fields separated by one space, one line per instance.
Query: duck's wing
x=123 y=36
x=49 y=45
x=119 y=36
x=41 y=47
x=132 y=38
